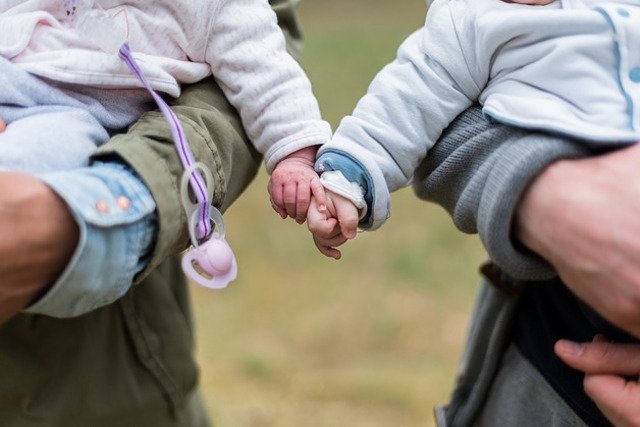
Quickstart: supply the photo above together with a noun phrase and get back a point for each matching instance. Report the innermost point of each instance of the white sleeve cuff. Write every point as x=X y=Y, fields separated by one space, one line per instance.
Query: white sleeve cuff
x=336 y=182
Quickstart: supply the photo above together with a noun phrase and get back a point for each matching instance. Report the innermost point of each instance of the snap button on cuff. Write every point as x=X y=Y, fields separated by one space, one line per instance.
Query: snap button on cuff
x=123 y=203
x=102 y=206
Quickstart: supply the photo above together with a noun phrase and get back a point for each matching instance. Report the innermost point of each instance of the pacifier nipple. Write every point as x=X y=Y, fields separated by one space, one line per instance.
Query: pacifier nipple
x=216 y=258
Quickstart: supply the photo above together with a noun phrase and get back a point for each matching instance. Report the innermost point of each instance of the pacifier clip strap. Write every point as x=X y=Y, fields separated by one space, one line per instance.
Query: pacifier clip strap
x=184 y=152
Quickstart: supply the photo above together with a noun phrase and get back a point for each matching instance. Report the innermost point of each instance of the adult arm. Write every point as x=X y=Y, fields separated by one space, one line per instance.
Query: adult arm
x=582 y=216
x=147 y=156
x=540 y=211
x=565 y=204
x=93 y=230
x=39 y=236
x=478 y=172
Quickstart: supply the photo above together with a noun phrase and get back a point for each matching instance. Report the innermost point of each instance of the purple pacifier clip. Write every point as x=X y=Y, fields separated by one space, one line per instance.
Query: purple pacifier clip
x=212 y=263
x=184 y=152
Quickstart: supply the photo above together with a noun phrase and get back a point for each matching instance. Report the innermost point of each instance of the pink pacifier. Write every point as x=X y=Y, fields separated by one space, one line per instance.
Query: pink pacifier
x=212 y=263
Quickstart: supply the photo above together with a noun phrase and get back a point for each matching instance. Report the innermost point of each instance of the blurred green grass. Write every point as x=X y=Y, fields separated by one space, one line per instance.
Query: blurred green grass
x=371 y=340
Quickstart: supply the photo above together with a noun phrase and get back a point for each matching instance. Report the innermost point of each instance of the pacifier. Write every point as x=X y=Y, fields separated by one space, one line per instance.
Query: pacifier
x=212 y=263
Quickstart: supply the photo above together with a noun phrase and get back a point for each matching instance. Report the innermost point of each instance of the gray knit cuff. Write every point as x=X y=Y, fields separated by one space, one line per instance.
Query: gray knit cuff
x=519 y=162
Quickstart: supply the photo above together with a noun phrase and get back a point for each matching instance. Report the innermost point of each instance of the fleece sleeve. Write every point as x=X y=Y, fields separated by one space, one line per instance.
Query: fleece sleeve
x=406 y=108
x=478 y=172
x=249 y=59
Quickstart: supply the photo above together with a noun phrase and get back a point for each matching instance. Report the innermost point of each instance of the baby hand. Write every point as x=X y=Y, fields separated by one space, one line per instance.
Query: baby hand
x=334 y=226
x=292 y=184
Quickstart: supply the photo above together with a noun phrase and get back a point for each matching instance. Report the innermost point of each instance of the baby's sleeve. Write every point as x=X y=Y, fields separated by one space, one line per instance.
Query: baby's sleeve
x=406 y=108
x=262 y=81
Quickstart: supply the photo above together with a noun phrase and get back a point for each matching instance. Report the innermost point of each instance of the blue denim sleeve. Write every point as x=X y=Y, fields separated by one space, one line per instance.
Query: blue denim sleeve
x=115 y=213
x=332 y=160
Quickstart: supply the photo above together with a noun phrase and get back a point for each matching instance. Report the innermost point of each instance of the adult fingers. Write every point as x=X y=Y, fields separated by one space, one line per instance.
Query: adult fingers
x=607 y=365
x=600 y=357
x=617 y=398
x=3 y=126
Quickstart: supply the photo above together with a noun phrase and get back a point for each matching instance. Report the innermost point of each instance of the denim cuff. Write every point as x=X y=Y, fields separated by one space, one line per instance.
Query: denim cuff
x=116 y=216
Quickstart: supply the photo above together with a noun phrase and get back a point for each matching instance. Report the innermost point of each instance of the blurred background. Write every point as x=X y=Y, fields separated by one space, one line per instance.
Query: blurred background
x=371 y=340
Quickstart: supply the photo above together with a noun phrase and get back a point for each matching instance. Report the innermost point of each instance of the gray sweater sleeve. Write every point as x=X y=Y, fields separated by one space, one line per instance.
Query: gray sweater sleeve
x=478 y=171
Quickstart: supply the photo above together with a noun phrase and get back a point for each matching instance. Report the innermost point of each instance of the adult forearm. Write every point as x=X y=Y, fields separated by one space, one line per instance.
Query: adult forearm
x=478 y=171
x=216 y=138
x=545 y=205
x=38 y=239
x=583 y=216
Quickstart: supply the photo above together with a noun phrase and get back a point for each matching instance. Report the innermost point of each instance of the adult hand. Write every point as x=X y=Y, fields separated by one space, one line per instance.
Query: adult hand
x=38 y=237
x=583 y=216
x=607 y=367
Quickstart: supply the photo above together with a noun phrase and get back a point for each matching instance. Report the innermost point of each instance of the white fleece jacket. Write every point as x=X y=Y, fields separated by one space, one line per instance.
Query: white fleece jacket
x=571 y=67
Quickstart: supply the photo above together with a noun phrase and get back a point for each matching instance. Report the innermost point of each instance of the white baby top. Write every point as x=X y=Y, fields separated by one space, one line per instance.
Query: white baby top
x=571 y=67
x=175 y=42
